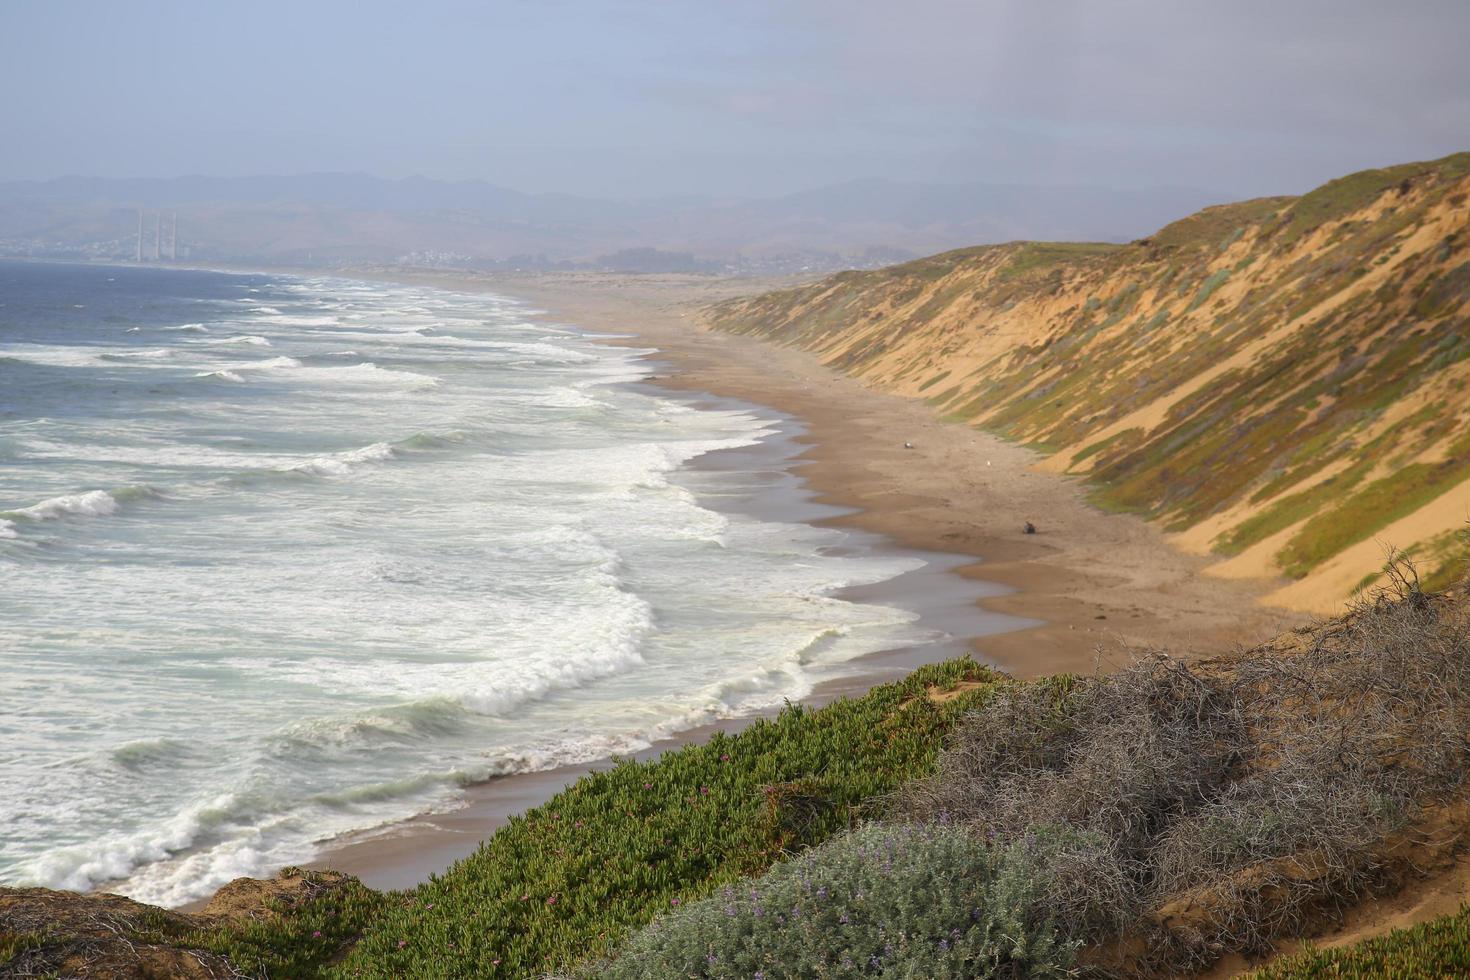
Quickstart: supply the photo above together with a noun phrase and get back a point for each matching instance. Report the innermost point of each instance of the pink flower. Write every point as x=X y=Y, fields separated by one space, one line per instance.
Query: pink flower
x=317 y=934
x=495 y=962
x=673 y=901
x=724 y=758
x=551 y=900
x=704 y=791
x=648 y=786
x=429 y=906
x=402 y=943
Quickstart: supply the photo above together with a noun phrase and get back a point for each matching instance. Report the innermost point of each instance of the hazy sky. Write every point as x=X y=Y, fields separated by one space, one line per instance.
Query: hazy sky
x=643 y=97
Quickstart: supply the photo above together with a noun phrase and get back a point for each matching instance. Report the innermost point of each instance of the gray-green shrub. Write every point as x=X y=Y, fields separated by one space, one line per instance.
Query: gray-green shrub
x=881 y=901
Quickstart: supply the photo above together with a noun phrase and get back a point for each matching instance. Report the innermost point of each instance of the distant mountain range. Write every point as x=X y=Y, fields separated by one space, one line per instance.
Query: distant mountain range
x=331 y=219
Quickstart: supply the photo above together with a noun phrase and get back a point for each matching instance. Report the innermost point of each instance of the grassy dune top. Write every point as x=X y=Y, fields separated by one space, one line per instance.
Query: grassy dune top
x=1284 y=382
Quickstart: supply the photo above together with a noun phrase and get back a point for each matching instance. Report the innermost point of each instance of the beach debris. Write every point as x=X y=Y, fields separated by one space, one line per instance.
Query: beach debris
x=908 y=445
x=1030 y=528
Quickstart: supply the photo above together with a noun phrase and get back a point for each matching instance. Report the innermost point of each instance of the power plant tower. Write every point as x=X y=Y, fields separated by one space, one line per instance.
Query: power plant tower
x=140 y=235
x=173 y=237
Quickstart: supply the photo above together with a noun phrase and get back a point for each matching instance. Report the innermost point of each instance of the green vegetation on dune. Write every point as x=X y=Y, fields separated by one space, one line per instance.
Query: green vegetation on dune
x=904 y=900
x=1032 y=256
x=572 y=877
x=1368 y=511
x=1438 y=948
x=1338 y=198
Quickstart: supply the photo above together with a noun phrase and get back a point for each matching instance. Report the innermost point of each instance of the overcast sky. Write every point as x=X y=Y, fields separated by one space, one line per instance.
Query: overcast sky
x=645 y=97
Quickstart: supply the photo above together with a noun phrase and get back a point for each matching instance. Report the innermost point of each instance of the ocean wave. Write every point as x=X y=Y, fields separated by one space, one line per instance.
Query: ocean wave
x=150 y=753
x=187 y=328
x=139 y=355
x=425 y=441
x=414 y=721
x=114 y=857
x=254 y=340
x=365 y=374
x=292 y=320
x=614 y=646
x=340 y=464
x=53 y=355
x=222 y=375
x=90 y=503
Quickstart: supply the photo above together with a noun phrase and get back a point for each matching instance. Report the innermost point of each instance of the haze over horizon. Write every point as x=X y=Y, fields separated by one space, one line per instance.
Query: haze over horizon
x=625 y=99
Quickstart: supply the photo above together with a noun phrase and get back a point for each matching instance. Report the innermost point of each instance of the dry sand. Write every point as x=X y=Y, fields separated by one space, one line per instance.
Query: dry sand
x=1105 y=585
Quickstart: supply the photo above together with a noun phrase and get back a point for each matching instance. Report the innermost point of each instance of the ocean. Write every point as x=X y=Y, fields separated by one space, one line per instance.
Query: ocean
x=283 y=558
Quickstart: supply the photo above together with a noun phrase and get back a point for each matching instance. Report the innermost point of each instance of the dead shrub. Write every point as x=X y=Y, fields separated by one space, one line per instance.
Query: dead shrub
x=1216 y=806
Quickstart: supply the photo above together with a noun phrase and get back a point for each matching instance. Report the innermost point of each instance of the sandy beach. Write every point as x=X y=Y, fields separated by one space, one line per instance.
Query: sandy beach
x=1103 y=587
x=1097 y=579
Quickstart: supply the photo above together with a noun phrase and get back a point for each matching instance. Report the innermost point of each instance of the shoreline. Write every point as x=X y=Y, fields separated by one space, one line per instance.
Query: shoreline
x=850 y=459
x=1095 y=578
x=403 y=853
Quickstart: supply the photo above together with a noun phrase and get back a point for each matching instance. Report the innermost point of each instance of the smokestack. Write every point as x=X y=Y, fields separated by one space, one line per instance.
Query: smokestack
x=157 y=236
x=140 y=235
x=173 y=238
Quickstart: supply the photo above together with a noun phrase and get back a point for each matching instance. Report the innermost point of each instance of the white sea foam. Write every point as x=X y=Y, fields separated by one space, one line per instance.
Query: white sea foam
x=340 y=464
x=254 y=340
x=54 y=355
x=92 y=503
x=160 y=354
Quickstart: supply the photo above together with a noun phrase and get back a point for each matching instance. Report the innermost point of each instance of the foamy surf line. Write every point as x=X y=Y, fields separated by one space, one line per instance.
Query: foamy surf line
x=403 y=853
x=553 y=492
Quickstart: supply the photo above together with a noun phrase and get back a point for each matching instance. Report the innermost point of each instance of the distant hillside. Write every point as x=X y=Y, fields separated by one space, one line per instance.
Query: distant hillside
x=1284 y=382
x=334 y=219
